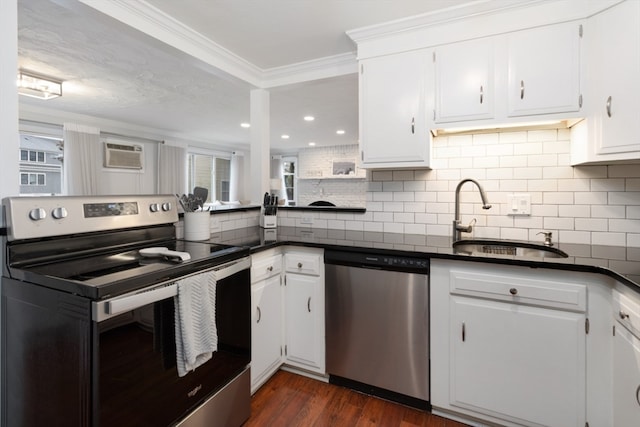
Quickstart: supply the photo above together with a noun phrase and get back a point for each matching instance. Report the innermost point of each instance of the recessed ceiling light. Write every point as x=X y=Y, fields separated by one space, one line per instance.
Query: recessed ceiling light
x=340 y=132
x=245 y=125
x=309 y=118
x=285 y=136
x=311 y=144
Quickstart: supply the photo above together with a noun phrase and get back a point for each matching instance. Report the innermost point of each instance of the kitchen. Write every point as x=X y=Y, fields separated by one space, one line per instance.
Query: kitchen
x=595 y=204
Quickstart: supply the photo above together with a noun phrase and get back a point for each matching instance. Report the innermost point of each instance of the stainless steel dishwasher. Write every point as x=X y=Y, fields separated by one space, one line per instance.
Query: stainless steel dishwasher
x=377 y=324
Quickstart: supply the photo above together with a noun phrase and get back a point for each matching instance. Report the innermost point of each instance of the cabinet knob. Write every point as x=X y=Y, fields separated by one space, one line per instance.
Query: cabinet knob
x=513 y=291
x=623 y=315
x=299 y=265
x=270 y=268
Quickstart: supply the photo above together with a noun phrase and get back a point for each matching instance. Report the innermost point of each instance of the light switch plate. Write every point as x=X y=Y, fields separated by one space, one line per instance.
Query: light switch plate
x=519 y=204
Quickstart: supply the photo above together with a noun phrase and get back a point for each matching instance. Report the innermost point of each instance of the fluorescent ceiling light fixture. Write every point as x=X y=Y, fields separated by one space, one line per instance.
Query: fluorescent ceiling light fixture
x=36 y=86
x=309 y=118
x=245 y=125
x=311 y=144
x=285 y=136
x=340 y=132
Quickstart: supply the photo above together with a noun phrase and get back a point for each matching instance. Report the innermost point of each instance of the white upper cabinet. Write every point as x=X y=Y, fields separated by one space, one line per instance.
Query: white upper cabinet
x=393 y=132
x=544 y=70
x=516 y=77
x=464 y=81
x=612 y=130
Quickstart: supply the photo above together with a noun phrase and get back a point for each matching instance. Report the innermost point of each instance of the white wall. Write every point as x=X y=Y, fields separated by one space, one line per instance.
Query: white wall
x=315 y=181
x=597 y=205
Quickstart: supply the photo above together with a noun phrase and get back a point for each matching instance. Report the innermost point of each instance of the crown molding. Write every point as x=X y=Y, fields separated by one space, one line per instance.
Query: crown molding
x=438 y=17
x=331 y=66
x=141 y=16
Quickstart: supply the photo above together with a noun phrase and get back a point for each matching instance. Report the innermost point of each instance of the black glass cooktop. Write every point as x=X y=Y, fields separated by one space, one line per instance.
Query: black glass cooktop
x=105 y=272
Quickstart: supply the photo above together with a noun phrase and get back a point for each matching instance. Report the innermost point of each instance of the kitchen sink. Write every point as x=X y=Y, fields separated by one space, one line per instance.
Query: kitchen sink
x=507 y=247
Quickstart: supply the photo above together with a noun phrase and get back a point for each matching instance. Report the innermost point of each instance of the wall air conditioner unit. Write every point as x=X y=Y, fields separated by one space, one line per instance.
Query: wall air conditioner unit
x=122 y=156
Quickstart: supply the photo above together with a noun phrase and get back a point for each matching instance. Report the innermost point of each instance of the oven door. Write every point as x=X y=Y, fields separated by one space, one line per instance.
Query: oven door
x=137 y=379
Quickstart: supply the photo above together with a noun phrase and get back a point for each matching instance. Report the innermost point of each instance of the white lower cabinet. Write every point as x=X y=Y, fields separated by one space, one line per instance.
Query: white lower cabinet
x=304 y=310
x=626 y=361
x=266 y=317
x=287 y=321
x=508 y=345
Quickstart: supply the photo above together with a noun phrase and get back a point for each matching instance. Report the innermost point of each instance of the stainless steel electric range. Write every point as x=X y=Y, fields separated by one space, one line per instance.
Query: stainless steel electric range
x=88 y=316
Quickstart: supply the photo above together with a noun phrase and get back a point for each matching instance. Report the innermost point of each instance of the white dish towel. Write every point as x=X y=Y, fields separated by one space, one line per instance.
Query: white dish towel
x=195 y=321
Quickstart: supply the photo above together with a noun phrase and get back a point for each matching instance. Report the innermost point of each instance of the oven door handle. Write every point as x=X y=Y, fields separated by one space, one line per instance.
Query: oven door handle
x=121 y=305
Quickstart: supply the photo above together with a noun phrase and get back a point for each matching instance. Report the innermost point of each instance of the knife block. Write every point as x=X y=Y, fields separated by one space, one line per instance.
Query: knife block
x=268 y=221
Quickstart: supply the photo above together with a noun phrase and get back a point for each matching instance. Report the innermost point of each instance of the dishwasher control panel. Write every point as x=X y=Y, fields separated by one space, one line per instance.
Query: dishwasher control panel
x=378 y=261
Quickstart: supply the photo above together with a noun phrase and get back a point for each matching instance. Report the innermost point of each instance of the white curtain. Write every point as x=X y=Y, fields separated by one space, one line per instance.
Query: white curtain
x=82 y=159
x=172 y=169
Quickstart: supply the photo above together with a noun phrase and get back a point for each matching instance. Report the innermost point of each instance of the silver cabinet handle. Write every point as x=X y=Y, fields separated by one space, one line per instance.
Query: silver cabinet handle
x=638 y=395
x=609 y=106
x=513 y=291
x=521 y=89
x=299 y=265
x=413 y=125
x=623 y=315
x=309 y=304
x=481 y=94
x=259 y=314
x=464 y=332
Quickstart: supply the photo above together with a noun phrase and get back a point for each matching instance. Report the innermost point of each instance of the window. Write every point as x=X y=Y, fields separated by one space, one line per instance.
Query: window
x=211 y=172
x=32 y=156
x=33 y=179
x=40 y=164
x=290 y=179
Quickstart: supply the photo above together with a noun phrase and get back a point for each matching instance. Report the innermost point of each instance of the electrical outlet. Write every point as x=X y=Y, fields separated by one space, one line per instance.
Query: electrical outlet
x=306 y=220
x=519 y=204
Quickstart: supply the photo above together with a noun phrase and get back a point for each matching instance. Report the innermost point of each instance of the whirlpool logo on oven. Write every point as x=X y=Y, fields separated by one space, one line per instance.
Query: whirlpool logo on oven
x=194 y=391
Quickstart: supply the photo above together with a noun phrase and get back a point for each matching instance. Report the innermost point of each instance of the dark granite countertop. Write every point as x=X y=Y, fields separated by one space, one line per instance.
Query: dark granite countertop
x=341 y=209
x=621 y=263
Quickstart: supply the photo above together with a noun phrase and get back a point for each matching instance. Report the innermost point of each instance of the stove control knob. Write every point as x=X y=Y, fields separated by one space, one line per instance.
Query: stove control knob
x=59 y=213
x=166 y=206
x=154 y=207
x=37 y=214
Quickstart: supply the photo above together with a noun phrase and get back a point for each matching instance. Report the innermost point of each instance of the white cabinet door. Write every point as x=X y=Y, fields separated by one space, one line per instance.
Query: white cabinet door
x=614 y=53
x=518 y=363
x=464 y=81
x=626 y=379
x=266 y=330
x=304 y=322
x=544 y=70
x=393 y=132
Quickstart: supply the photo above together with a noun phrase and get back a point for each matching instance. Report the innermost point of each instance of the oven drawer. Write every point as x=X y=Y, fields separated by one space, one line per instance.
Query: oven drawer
x=263 y=267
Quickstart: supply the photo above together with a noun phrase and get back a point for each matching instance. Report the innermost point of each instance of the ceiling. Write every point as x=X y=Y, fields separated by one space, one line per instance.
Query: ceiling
x=119 y=74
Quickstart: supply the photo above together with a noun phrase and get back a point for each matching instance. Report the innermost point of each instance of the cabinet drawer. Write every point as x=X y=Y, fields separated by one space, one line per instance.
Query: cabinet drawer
x=303 y=263
x=519 y=290
x=263 y=268
x=627 y=312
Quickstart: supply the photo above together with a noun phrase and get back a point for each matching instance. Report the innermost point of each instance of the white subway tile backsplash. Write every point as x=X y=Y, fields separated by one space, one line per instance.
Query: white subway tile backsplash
x=584 y=204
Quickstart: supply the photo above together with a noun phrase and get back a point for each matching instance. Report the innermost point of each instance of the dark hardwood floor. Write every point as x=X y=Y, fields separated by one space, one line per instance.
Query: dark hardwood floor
x=292 y=400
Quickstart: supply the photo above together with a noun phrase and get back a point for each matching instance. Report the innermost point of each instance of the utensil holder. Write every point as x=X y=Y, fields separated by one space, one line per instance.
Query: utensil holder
x=196 y=225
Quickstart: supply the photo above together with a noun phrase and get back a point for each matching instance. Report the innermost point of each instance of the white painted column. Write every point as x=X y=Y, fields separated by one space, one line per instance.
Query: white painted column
x=260 y=146
x=9 y=138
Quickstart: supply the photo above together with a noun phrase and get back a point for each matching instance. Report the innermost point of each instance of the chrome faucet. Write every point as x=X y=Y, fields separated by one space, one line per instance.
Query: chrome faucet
x=457 y=227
